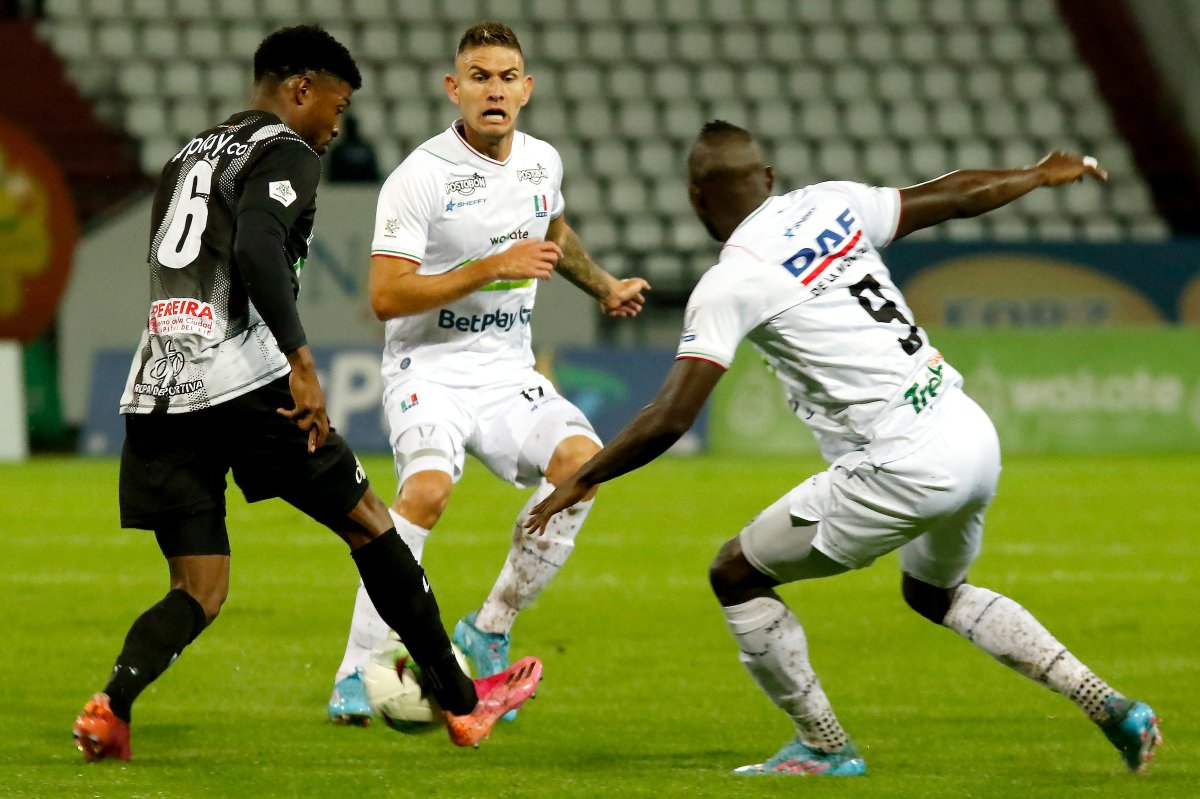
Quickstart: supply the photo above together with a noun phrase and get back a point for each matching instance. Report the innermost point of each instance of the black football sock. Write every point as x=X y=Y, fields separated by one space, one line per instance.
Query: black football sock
x=397 y=586
x=153 y=642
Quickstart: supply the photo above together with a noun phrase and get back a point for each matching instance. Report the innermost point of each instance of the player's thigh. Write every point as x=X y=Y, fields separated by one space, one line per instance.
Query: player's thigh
x=522 y=424
x=173 y=467
x=272 y=459
x=781 y=546
x=428 y=426
x=968 y=448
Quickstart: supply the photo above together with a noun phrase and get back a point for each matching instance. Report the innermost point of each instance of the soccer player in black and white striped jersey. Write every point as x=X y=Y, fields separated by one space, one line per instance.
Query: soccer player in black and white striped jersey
x=224 y=380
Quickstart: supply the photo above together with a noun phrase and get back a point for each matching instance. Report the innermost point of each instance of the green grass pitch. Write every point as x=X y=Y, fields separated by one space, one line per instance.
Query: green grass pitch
x=643 y=694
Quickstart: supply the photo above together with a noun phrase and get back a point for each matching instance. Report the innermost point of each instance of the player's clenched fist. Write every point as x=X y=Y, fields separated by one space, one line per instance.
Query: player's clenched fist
x=526 y=259
x=1060 y=167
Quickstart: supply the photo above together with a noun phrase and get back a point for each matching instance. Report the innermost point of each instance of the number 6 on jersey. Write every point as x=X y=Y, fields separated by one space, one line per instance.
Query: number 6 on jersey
x=181 y=243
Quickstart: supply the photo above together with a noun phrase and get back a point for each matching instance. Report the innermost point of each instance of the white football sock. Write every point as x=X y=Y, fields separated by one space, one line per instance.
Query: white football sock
x=367 y=629
x=775 y=651
x=531 y=563
x=413 y=535
x=1010 y=633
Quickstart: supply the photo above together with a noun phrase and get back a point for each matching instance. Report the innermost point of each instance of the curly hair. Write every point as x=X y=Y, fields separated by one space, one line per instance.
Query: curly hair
x=304 y=48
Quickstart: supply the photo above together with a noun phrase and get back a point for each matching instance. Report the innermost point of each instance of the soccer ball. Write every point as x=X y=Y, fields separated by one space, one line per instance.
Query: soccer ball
x=396 y=689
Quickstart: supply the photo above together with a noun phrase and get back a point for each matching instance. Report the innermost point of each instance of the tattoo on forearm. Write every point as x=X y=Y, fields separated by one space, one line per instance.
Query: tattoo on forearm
x=579 y=268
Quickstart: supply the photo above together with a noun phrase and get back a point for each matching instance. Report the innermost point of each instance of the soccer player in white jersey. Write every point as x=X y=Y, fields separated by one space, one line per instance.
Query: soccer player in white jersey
x=914 y=460
x=465 y=228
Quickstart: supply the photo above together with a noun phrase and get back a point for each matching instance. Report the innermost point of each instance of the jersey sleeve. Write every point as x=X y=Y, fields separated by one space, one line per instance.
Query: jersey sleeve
x=282 y=181
x=878 y=209
x=560 y=202
x=405 y=208
x=720 y=312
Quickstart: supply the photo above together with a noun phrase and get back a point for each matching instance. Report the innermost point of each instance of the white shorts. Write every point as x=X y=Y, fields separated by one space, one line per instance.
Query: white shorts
x=512 y=427
x=929 y=504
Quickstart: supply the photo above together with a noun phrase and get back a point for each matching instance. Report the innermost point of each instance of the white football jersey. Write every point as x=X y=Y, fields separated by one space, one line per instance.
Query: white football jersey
x=802 y=278
x=445 y=206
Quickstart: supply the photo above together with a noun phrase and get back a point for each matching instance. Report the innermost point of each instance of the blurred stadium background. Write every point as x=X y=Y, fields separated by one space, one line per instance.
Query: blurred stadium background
x=889 y=92
x=1073 y=314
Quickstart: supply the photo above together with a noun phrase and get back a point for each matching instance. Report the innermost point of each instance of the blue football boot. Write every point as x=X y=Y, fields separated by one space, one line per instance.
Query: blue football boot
x=487 y=652
x=797 y=760
x=1133 y=729
x=348 y=704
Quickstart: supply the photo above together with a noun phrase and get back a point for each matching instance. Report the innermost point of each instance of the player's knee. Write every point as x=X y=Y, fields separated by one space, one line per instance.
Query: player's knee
x=928 y=600
x=569 y=455
x=210 y=596
x=733 y=578
x=423 y=498
x=212 y=605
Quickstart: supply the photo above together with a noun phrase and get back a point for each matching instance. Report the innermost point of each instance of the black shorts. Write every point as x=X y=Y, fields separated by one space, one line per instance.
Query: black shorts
x=174 y=465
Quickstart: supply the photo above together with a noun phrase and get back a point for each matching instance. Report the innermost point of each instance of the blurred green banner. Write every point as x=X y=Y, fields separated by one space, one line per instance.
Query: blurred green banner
x=1091 y=390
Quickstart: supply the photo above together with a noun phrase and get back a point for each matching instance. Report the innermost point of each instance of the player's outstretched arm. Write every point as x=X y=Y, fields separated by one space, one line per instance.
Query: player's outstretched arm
x=970 y=192
x=621 y=298
x=651 y=433
x=396 y=289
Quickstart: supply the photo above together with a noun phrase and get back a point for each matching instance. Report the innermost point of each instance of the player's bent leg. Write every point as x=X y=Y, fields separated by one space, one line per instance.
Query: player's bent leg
x=424 y=496
x=774 y=649
x=532 y=562
x=400 y=592
x=485 y=636
x=1011 y=634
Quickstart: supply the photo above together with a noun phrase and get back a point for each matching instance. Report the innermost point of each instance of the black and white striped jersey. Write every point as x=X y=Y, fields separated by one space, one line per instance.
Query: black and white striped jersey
x=204 y=342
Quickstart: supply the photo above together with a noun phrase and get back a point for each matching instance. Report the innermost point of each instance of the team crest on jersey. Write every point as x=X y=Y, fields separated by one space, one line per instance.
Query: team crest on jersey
x=390 y=227
x=282 y=191
x=408 y=402
x=541 y=207
x=534 y=176
x=466 y=186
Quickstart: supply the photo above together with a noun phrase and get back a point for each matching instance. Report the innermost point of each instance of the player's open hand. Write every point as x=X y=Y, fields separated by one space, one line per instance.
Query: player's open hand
x=530 y=258
x=1059 y=167
x=626 y=298
x=562 y=498
x=309 y=413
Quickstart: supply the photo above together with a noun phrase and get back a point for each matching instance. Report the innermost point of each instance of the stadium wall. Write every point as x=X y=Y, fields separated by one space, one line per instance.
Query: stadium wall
x=1082 y=351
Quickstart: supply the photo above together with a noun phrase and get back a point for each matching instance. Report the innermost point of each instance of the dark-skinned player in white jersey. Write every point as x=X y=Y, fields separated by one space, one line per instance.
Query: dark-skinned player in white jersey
x=914 y=460
x=224 y=380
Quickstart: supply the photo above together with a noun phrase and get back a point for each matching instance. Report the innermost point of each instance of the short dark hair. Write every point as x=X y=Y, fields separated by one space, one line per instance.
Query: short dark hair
x=719 y=129
x=723 y=151
x=489 y=33
x=304 y=48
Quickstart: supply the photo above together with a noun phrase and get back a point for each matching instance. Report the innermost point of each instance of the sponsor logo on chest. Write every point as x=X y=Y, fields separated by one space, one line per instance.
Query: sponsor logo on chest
x=466 y=186
x=516 y=235
x=480 y=323
x=534 y=176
